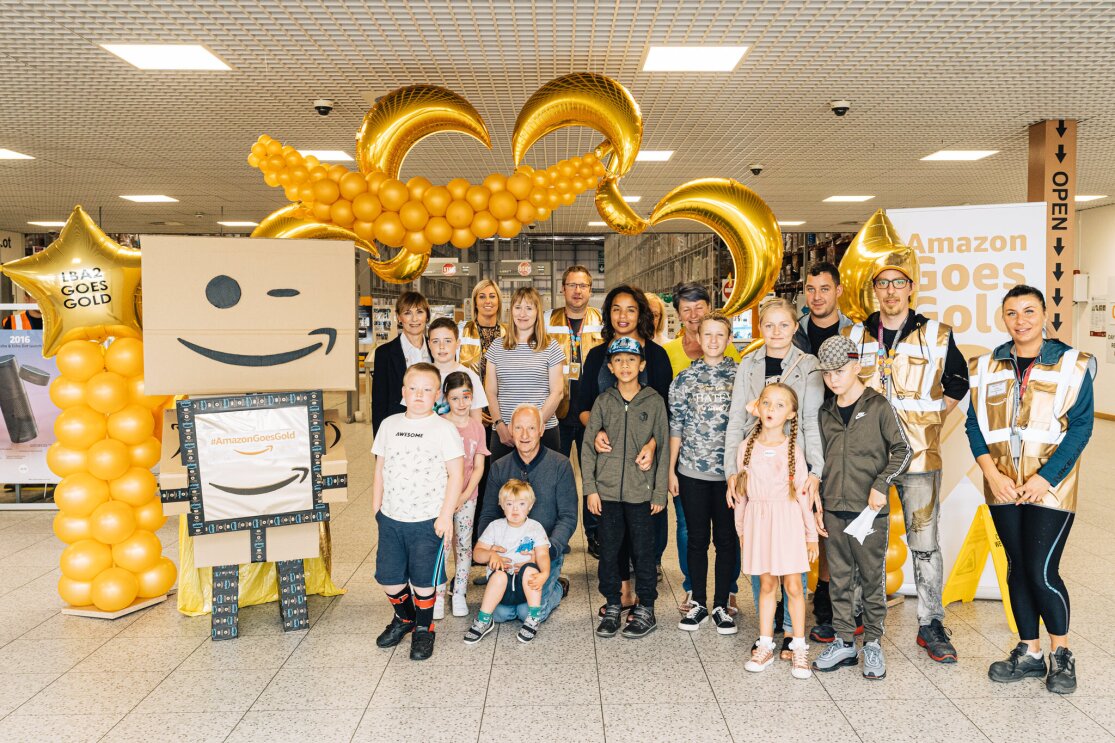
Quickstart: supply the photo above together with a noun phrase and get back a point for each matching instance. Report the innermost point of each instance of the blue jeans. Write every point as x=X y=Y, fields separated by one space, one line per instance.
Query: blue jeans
x=682 y=545
x=551 y=597
x=779 y=621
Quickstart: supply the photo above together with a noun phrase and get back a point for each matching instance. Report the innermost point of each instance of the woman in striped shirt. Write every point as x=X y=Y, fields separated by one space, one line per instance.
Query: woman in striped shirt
x=525 y=368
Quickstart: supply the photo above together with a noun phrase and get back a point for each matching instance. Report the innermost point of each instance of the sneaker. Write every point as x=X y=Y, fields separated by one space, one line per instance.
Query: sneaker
x=761 y=658
x=799 y=662
x=1018 y=665
x=725 y=625
x=935 y=639
x=694 y=618
x=593 y=547
x=609 y=625
x=564 y=583
x=733 y=607
x=421 y=644
x=1062 y=672
x=439 y=607
x=836 y=654
x=823 y=633
x=460 y=606
x=874 y=664
x=822 y=604
x=785 y=653
x=394 y=633
x=687 y=603
x=529 y=630
x=478 y=631
x=640 y=623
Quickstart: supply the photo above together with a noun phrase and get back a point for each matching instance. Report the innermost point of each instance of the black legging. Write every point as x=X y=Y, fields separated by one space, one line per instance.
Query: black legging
x=1034 y=537
x=707 y=513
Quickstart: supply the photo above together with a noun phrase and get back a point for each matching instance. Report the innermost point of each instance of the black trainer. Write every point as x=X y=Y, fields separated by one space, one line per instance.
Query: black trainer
x=564 y=583
x=593 y=547
x=935 y=639
x=694 y=618
x=1062 y=672
x=823 y=633
x=609 y=624
x=394 y=633
x=725 y=623
x=641 y=623
x=421 y=644
x=1019 y=665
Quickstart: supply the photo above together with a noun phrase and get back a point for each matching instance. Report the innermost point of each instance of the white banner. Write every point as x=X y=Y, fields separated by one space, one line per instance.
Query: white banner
x=969 y=257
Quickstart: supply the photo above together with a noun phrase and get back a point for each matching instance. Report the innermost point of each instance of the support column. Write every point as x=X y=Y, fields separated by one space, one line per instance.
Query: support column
x=1052 y=179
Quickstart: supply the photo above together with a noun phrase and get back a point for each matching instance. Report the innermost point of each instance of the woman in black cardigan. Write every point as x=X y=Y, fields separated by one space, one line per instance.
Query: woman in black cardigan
x=412 y=312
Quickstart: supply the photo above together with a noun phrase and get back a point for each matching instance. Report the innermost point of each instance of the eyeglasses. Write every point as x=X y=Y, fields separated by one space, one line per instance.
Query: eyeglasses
x=579 y=286
x=896 y=283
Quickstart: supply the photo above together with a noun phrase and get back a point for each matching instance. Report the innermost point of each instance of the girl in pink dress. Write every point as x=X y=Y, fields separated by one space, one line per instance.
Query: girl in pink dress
x=777 y=533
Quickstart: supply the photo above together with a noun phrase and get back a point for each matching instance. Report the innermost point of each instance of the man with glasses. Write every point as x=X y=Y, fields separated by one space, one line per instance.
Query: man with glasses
x=576 y=327
x=914 y=362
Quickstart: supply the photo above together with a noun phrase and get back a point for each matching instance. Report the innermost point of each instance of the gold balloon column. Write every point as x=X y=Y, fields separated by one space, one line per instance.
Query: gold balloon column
x=374 y=205
x=108 y=506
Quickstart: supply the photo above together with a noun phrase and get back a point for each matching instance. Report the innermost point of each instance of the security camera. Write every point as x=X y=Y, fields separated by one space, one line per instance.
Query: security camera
x=323 y=106
x=756 y=168
x=840 y=107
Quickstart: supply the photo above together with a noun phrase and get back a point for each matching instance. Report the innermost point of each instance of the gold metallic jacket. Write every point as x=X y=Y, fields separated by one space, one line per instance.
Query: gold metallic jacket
x=470 y=352
x=1040 y=416
x=558 y=327
x=913 y=386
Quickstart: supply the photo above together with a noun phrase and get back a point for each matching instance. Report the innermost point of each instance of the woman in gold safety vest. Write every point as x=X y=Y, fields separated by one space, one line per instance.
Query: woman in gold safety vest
x=1029 y=419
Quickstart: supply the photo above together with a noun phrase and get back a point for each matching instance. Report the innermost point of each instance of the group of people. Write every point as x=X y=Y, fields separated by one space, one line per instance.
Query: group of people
x=778 y=459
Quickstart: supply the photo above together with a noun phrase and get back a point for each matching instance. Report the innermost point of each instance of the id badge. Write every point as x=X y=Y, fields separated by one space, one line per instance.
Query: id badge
x=1015 y=444
x=574 y=372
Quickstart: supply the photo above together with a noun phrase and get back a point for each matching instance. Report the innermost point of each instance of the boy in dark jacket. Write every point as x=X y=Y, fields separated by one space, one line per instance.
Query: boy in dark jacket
x=865 y=450
x=620 y=493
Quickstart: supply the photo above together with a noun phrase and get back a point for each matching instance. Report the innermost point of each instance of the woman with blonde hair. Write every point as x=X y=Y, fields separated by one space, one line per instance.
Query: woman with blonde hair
x=478 y=334
x=524 y=368
x=658 y=309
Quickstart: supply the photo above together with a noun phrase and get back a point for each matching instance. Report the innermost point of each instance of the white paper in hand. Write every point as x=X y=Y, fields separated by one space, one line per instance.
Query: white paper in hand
x=860 y=527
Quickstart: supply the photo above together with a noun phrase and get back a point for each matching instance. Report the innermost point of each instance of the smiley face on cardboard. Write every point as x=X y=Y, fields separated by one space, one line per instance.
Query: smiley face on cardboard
x=226 y=315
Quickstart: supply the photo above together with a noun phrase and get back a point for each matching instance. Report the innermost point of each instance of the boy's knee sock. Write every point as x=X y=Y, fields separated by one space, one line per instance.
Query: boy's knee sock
x=483 y=616
x=402 y=604
x=535 y=612
x=424 y=611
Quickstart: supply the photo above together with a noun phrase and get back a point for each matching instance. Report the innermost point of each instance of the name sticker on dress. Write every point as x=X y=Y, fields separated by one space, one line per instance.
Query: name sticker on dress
x=997 y=388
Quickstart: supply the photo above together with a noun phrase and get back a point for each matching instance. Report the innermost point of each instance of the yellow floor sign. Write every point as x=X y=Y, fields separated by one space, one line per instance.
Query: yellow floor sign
x=964 y=578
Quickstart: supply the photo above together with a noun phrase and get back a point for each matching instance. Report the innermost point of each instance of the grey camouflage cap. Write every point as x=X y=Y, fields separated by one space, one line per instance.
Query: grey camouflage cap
x=835 y=352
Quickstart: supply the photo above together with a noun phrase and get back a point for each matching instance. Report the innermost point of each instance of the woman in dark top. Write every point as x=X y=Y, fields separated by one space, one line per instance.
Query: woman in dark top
x=627 y=314
x=391 y=360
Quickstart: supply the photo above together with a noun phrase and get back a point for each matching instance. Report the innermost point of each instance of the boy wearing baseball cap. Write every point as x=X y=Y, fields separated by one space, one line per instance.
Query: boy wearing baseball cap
x=620 y=493
x=865 y=450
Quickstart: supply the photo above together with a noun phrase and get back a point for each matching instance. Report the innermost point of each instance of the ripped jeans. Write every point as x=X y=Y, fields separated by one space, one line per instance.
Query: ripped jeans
x=920 y=496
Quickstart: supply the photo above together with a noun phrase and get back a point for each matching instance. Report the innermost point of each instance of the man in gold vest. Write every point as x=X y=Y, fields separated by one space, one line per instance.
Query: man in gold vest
x=576 y=327
x=915 y=363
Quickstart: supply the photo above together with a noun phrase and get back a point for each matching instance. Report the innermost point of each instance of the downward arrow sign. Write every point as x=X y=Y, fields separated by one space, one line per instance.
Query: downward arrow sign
x=1058 y=246
x=1056 y=320
x=1057 y=296
x=1057 y=272
x=1061 y=128
x=1060 y=153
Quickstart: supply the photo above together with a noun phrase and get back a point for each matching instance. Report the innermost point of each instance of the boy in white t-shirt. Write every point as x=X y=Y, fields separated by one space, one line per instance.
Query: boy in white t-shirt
x=419 y=473
x=517 y=549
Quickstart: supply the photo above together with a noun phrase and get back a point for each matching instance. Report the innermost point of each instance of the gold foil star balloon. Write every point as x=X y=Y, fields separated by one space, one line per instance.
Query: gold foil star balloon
x=86 y=284
x=874 y=249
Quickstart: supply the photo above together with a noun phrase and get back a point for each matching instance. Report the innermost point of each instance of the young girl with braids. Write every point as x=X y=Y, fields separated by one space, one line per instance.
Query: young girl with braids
x=777 y=531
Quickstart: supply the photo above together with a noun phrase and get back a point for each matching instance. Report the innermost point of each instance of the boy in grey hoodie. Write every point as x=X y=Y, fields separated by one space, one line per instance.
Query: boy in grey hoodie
x=620 y=493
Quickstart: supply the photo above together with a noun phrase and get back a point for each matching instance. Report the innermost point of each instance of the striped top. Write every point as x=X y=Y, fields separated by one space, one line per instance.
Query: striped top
x=523 y=376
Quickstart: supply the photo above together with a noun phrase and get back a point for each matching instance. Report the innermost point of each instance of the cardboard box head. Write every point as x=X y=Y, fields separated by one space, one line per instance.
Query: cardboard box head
x=247 y=314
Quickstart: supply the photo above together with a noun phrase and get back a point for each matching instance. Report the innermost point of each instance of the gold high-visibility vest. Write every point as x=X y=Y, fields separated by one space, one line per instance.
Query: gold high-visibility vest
x=471 y=353
x=913 y=385
x=1039 y=417
x=558 y=327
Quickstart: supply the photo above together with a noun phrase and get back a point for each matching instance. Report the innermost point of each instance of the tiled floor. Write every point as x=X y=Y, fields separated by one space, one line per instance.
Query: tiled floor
x=156 y=676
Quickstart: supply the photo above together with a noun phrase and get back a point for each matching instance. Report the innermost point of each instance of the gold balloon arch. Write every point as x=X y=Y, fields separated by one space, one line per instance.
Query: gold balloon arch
x=372 y=205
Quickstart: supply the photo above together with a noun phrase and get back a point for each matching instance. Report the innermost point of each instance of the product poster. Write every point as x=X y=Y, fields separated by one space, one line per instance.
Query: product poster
x=28 y=413
x=1097 y=326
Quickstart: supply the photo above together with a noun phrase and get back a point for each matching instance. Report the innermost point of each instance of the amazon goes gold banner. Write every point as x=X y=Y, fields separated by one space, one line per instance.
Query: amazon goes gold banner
x=969 y=256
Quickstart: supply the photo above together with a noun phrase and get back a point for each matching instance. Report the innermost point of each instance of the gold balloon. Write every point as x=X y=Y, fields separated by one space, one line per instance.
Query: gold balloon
x=138 y=552
x=876 y=247
x=106 y=392
x=114 y=589
x=132 y=425
x=80 y=494
x=75 y=592
x=616 y=212
x=79 y=427
x=108 y=459
x=402 y=118
x=582 y=99
x=150 y=515
x=85 y=283
x=80 y=360
x=112 y=522
x=743 y=221
x=71 y=529
x=895 y=579
x=125 y=357
x=66 y=393
x=137 y=395
x=158 y=579
x=63 y=460
x=288 y=222
x=84 y=559
x=135 y=487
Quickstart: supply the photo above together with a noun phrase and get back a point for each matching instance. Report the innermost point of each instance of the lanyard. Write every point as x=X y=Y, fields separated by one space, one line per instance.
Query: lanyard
x=1024 y=379
x=574 y=341
x=884 y=354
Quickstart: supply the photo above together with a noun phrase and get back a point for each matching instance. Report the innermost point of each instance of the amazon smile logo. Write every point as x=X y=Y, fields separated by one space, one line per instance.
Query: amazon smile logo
x=271 y=359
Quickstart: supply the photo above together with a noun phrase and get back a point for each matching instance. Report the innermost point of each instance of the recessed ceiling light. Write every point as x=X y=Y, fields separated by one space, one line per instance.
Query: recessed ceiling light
x=849 y=198
x=328 y=156
x=632 y=199
x=155 y=198
x=597 y=224
x=167 y=56
x=48 y=224
x=238 y=224
x=654 y=156
x=13 y=155
x=693 y=58
x=960 y=155
x=1090 y=197
x=791 y=223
